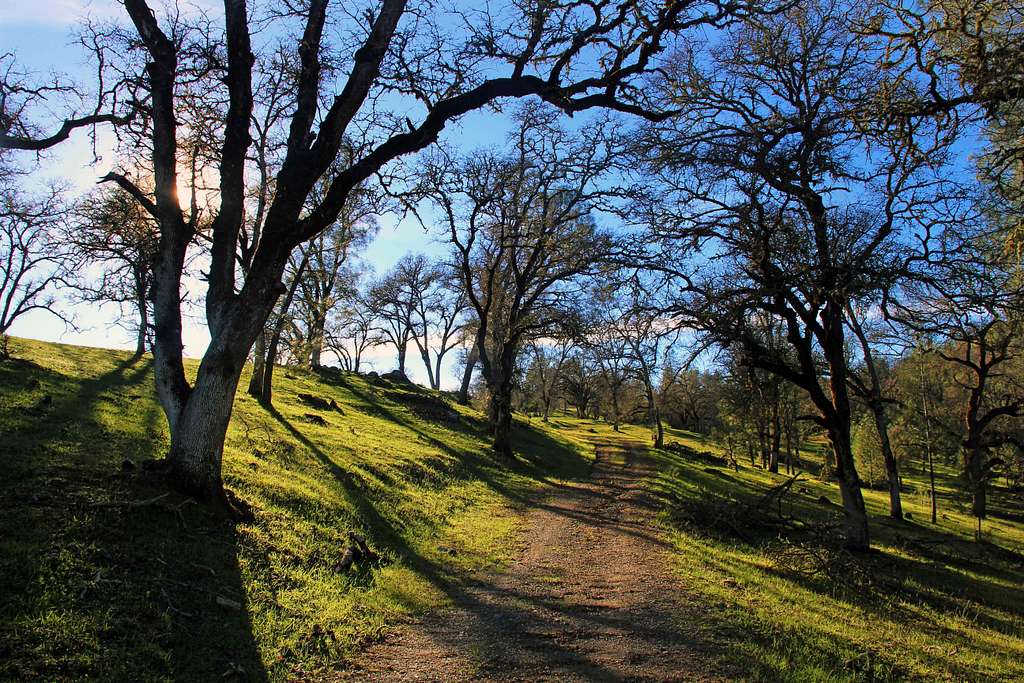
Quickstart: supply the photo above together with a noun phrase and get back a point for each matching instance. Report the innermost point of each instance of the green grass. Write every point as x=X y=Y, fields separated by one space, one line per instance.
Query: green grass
x=171 y=591
x=939 y=607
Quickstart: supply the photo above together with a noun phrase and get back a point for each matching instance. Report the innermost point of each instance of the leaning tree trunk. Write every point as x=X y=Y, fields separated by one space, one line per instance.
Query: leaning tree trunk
x=270 y=359
x=431 y=380
x=877 y=408
x=467 y=374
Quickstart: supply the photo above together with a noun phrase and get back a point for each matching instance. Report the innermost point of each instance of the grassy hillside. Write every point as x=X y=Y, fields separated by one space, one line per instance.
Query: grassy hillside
x=92 y=588
x=930 y=604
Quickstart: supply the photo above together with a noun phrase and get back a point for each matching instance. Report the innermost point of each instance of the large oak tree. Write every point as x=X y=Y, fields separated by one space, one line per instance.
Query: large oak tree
x=390 y=75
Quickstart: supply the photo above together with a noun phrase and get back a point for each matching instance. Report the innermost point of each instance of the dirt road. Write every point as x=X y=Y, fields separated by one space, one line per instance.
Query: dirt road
x=591 y=598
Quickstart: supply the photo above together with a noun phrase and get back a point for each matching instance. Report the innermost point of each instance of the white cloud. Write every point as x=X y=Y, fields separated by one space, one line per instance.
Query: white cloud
x=56 y=12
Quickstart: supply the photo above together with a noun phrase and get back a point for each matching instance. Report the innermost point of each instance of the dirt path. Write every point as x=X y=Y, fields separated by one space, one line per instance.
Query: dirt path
x=591 y=598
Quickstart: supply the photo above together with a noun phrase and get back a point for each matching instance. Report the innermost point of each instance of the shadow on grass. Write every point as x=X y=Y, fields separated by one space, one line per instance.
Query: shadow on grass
x=91 y=589
x=923 y=580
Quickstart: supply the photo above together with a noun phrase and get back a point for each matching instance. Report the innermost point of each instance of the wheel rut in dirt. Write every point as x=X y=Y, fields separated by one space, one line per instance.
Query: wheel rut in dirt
x=591 y=597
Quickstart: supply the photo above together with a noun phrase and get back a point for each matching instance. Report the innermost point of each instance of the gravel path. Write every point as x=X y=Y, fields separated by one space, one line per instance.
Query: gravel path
x=591 y=598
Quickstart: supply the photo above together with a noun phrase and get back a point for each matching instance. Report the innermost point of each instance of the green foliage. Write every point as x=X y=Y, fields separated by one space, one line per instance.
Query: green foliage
x=867 y=451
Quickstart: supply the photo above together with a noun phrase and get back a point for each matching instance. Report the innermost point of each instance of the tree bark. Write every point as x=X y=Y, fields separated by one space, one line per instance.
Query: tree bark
x=140 y=339
x=255 y=388
x=467 y=374
x=402 y=348
x=891 y=469
x=198 y=443
x=776 y=425
x=976 y=479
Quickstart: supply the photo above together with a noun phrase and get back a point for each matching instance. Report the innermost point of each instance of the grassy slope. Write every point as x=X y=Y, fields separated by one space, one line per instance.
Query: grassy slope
x=940 y=607
x=153 y=592
x=123 y=594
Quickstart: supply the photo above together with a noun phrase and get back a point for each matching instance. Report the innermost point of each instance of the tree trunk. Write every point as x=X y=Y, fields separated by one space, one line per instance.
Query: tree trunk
x=267 y=395
x=877 y=408
x=773 y=455
x=467 y=374
x=891 y=469
x=501 y=402
x=315 y=351
x=839 y=415
x=197 y=444
x=654 y=415
x=503 y=426
x=140 y=339
x=316 y=342
x=789 y=448
x=615 y=409
x=431 y=380
x=976 y=479
x=436 y=385
x=269 y=361
x=401 y=356
x=856 y=522
x=259 y=351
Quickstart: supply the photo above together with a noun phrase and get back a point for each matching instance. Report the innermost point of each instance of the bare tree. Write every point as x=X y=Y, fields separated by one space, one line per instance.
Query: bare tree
x=440 y=310
x=648 y=336
x=574 y=56
x=351 y=328
x=113 y=232
x=396 y=300
x=521 y=227
x=328 y=257
x=577 y=382
x=547 y=356
x=33 y=260
x=781 y=115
